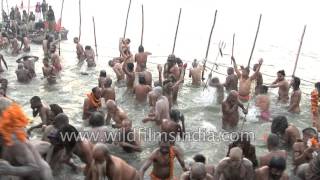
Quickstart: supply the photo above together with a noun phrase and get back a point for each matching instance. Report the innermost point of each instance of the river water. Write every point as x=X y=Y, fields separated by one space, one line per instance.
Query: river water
x=278 y=40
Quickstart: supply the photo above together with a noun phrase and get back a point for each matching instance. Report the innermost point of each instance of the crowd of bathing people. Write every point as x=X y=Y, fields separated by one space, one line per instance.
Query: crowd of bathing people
x=39 y=159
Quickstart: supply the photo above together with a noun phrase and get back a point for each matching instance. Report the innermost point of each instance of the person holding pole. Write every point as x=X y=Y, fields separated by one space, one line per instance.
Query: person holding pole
x=245 y=80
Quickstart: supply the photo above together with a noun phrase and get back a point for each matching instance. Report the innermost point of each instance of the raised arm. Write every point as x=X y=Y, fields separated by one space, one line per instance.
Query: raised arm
x=257 y=71
x=179 y=156
x=235 y=66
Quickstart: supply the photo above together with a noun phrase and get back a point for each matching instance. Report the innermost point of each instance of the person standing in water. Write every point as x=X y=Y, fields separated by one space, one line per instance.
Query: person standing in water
x=141 y=59
x=195 y=73
x=259 y=79
x=263 y=103
x=80 y=50
x=295 y=99
x=90 y=56
x=315 y=94
x=283 y=86
x=231 y=82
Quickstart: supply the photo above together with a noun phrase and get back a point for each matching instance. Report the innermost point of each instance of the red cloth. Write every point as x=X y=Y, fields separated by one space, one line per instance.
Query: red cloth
x=58 y=26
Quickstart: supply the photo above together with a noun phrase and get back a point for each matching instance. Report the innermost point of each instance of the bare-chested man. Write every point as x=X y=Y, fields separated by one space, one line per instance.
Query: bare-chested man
x=230 y=113
x=92 y=103
x=28 y=62
x=80 y=50
x=171 y=88
x=162 y=160
x=39 y=108
x=294 y=105
x=263 y=103
x=214 y=82
x=128 y=69
x=288 y=133
x=25 y=43
x=117 y=68
x=303 y=149
x=259 y=79
x=234 y=167
x=172 y=128
x=128 y=138
x=201 y=159
x=18 y=157
x=275 y=170
x=274 y=151
x=115 y=113
x=15 y=46
x=108 y=92
x=141 y=59
x=197 y=171
x=48 y=71
x=141 y=90
x=104 y=165
x=283 y=86
x=245 y=80
x=102 y=78
x=55 y=59
x=171 y=68
x=4 y=62
x=161 y=108
x=196 y=73
x=125 y=53
x=23 y=74
x=231 y=82
x=90 y=56
x=99 y=129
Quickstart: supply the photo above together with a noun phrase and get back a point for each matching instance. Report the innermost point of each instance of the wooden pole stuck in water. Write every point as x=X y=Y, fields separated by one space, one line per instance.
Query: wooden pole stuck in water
x=298 y=54
x=125 y=27
x=95 y=37
x=255 y=40
x=141 y=42
x=209 y=42
x=233 y=37
x=61 y=26
x=80 y=20
x=8 y=7
x=175 y=37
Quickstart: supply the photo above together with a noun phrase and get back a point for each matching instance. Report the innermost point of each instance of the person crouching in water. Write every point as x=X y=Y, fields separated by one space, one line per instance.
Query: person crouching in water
x=263 y=103
x=90 y=56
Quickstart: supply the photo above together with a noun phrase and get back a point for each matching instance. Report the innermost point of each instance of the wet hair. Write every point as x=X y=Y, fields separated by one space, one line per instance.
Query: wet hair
x=108 y=83
x=309 y=131
x=282 y=72
x=255 y=66
x=75 y=38
x=71 y=142
x=279 y=125
x=278 y=163
x=128 y=40
x=317 y=85
x=103 y=73
x=176 y=115
x=95 y=89
x=35 y=99
x=142 y=80
x=111 y=63
x=215 y=80
x=130 y=66
x=87 y=47
x=296 y=83
x=199 y=158
x=171 y=58
x=264 y=89
x=231 y=70
x=141 y=49
x=179 y=61
x=56 y=109
x=96 y=119
x=273 y=140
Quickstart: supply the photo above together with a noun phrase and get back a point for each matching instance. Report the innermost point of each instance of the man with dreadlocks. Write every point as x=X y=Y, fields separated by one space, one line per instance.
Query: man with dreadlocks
x=18 y=157
x=287 y=132
x=245 y=79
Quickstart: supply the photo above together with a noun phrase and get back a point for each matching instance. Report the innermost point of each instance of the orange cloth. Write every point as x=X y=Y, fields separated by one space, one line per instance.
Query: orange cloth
x=314 y=100
x=244 y=98
x=12 y=122
x=94 y=102
x=172 y=155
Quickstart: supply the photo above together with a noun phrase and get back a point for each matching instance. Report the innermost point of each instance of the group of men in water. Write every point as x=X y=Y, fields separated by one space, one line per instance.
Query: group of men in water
x=42 y=159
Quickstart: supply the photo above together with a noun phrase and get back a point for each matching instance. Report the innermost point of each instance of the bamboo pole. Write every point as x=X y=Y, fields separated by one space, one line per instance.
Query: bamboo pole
x=175 y=37
x=125 y=27
x=255 y=40
x=232 y=45
x=80 y=20
x=61 y=26
x=95 y=38
x=298 y=54
x=141 y=42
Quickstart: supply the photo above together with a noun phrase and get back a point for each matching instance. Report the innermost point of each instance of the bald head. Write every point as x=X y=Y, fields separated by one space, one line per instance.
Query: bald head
x=157 y=91
x=235 y=154
x=111 y=106
x=198 y=171
x=100 y=152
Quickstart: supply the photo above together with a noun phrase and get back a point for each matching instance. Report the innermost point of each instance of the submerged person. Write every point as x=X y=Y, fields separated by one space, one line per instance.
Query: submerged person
x=263 y=103
x=4 y=62
x=197 y=171
x=115 y=113
x=234 y=167
x=195 y=73
x=288 y=133
x=92 y=103
x=90 y=56
x=28 y=62
x=104 y=165
x=315 y=97
x=141 y=90
x=273 y=142
x=294 y=105
x=245 y=80
x=230 y=113
x=214 y=82
x=23 y=74
x=275 y=170
x=80 y=50
x=18 y=156
x=141 y=59
x=231 y=82
x=162 y=160
x=283 y=86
